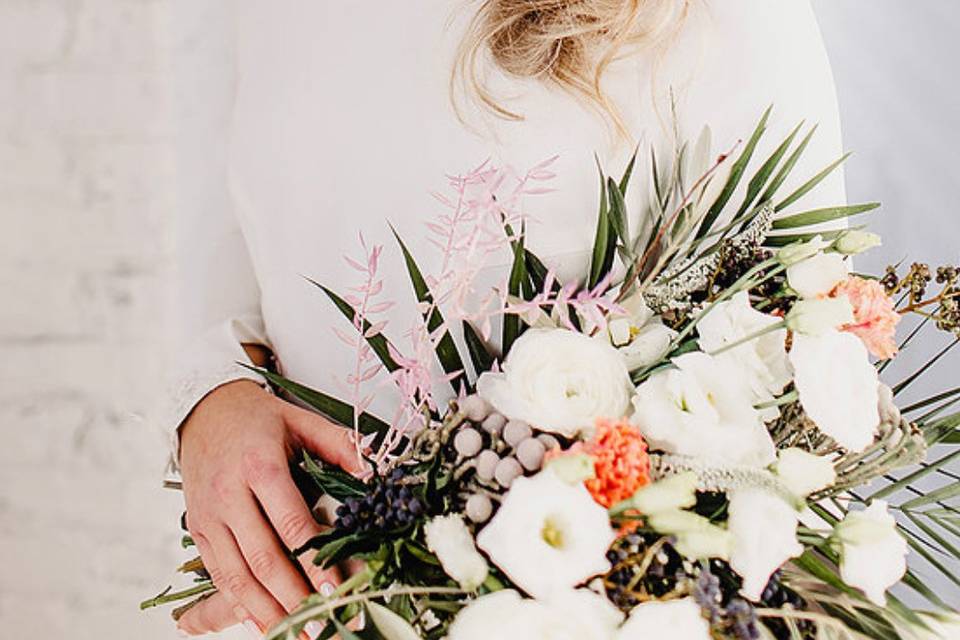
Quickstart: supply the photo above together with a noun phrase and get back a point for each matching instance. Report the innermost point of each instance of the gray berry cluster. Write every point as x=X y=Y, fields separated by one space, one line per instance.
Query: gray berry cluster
x=499 y=451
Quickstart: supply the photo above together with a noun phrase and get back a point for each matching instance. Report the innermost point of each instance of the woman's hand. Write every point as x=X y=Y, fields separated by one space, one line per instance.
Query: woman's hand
x=244 y=510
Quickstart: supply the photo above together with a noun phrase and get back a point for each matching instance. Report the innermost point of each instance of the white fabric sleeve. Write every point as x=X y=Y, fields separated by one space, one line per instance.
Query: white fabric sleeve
x=216 y=305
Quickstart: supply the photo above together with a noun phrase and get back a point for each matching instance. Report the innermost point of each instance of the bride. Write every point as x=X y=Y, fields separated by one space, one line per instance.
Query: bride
x=345 y=115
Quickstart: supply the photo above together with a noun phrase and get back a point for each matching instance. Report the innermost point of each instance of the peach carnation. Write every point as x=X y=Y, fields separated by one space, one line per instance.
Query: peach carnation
x=875 y=318
x=620 y=460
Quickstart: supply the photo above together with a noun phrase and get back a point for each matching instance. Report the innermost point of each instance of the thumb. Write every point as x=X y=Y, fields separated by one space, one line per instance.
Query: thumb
x=333 y=443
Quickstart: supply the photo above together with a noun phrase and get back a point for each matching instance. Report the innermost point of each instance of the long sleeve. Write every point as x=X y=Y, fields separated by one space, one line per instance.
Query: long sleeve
x=217 y=299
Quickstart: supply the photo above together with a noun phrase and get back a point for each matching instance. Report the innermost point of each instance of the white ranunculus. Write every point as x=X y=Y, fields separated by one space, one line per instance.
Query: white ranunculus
x=837 y=386
x=816 y=316
x=802 y=472
x=560 y=381
x=696 y=537
x=818 y=275
x=798 y=251
x=450 y=539
x=640 y=335
x=873 y=555
x=764 y=529
x=854 y=241
x=674 y=619
x=762 y=361
x=548 y=535
x=572 y=615
x=702 y=408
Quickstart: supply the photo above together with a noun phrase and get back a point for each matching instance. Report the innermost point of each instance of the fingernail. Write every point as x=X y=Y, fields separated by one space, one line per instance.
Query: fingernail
x=313 y=629
x=252 y=629
x=327 y=589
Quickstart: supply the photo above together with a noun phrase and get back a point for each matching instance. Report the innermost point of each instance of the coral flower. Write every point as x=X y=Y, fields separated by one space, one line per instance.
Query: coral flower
x=875 y=318
x=620 y=459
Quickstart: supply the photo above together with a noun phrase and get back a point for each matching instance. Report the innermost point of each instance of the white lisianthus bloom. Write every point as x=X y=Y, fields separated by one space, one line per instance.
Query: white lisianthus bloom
x=702 y=409
x=674 y=619
x=817 y=316
x=799 y=251
x=640 y=335
x=763 y=360
x=548 y=535
x=572 y=615
x=696 y=537
x=670 y=494
x=764 y=529
x=873 y=556
x=818 y=275
x=560 y=381
x=450 y=539
x=802 y=472
x=854 y=241
x=838 y=387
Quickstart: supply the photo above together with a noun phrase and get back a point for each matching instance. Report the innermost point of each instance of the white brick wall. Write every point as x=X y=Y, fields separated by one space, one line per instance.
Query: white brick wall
x=86 y=188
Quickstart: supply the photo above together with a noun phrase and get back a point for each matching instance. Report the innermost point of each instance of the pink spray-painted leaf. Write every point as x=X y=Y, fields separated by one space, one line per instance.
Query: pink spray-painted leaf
x=380 y=307
x=348 y=339
x=356 y=265
x=375 y=329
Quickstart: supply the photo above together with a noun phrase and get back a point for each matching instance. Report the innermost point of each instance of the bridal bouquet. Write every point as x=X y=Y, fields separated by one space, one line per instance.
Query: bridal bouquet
x=681 y=443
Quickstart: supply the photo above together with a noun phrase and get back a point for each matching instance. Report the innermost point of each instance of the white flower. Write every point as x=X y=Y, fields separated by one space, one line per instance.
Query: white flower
x=794 y=253
x=702 y=409
x=837 y=386
x=672 y=493
x=696 y=537
x=559 y=381
x=572 y=615
x=819 y=315
x=548 y=535
x=763 y=360
x=818 y=275
x=764 y=530
x=640 y=335
x=449 y=538
x=674 y=619
x=854 y=241
x=802 y=472
x=573 y=468
x=872 y=553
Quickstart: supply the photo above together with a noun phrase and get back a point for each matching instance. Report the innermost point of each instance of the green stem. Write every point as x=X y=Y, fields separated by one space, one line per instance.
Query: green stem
x=749 y=338
x=167 y=596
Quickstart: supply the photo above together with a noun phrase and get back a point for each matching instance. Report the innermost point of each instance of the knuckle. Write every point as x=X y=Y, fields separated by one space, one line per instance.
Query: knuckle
x=237 y=584
x=294 y=528
x=223 y=485
x=257 y=470
x=263 y=563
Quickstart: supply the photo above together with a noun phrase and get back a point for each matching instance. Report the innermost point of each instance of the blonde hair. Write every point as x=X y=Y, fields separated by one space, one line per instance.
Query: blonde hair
x=568 y=43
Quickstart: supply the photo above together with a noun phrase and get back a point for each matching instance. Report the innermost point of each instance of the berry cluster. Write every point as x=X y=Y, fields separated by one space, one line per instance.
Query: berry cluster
x=500 y=451
x=626 y=586
x=390 y=504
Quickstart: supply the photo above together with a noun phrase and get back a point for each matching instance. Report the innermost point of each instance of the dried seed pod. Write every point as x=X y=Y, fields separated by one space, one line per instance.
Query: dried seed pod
x=516 y=431
x=549 y=442
x=507 y=471
x=487 y=465
x=475 y=408
x=478 y=508
x=494 y=423
x=530 y=454
x=467 y=442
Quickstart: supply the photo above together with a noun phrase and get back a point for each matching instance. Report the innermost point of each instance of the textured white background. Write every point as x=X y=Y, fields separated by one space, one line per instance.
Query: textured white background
x=87 y=185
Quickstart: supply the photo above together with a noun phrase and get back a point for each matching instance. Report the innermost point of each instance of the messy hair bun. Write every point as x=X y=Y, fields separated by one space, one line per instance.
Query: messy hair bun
x=569 y=43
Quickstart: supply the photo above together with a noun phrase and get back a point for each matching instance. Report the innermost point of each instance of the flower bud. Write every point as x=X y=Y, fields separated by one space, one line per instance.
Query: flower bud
x=507 y=471
x=573 y=468
x=467 y=442
x=856 y=241
x=798 y=251
x=820 y=315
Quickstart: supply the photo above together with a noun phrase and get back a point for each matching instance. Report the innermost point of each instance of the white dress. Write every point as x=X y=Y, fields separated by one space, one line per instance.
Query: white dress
x=337 y=120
